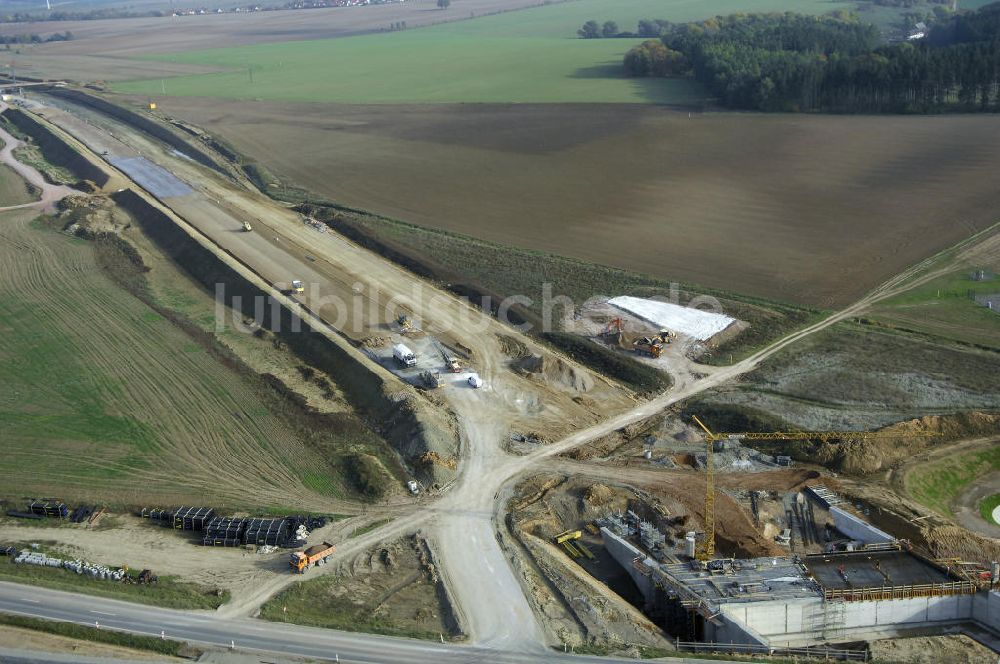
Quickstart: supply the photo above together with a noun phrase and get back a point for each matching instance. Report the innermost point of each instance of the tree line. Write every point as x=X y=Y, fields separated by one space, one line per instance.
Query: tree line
x=35 y=38
x=834 y=63
x=609 y=29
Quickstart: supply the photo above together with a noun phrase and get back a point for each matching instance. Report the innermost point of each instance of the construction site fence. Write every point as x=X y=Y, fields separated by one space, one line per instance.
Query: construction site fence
x=817 y=652
x=899 y=592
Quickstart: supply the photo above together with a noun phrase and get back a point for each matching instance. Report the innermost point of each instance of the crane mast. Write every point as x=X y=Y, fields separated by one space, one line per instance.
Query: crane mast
x=706 y=549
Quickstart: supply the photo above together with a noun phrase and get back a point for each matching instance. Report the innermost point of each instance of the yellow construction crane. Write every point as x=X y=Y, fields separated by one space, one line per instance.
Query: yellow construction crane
x=706 y=550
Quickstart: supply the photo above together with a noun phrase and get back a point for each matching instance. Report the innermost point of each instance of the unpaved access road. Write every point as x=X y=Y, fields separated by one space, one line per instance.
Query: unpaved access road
x=474 y=566
x=51 y=193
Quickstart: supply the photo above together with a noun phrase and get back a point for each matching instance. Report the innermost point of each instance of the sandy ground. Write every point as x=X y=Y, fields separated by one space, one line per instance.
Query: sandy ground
x=803 y=208
x=27 y=639
x=954 y=649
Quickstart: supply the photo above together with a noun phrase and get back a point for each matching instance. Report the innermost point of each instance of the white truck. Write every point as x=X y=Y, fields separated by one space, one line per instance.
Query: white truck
x=404 y=356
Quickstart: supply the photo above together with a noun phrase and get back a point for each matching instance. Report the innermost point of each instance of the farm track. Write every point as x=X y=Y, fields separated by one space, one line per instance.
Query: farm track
x=51 y=193
x=461 y=523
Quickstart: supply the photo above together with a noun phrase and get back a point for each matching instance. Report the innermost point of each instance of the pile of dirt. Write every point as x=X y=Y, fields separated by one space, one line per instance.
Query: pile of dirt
x=957 y=542
x=435 y=459
x=375 y=342
x=598 y=494
x=577 y=594
x=601 y=448
x=556 y=372
x=857 y=457
x=512 y=347
x=91 y=216
x=419 y=430
x=962 y=425
x=954 y=648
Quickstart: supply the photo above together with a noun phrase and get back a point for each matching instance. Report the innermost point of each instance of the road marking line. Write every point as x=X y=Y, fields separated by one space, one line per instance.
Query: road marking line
x=104 y=613
x=33 y=601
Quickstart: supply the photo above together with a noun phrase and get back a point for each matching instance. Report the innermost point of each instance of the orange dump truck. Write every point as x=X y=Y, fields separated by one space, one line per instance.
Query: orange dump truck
x=314 y=555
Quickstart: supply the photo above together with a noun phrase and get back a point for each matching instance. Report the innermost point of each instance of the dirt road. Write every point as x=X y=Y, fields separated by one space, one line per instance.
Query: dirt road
x=966 y=505
x=51 y=193
x=462 y=522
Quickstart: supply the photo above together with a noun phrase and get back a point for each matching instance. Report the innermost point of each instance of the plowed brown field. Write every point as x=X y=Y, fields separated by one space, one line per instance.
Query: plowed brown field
x=808 y=209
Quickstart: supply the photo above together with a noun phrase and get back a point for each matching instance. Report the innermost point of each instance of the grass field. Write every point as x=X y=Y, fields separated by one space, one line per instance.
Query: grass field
x=946 y=307
x=168 y=591
x=855 y=376
x=104 y=399
x=937 y=483
x=87 y=633
x=987 y=506
x=13 y=189
x=527 y=56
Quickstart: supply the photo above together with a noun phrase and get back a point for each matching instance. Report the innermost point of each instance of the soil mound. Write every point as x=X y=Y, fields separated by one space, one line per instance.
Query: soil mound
x=858 y=457
x=90 y=216
x=557 y=372
x=598 y=494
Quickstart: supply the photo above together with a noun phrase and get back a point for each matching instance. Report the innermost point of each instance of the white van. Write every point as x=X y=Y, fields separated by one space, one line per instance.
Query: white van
x=475 y=381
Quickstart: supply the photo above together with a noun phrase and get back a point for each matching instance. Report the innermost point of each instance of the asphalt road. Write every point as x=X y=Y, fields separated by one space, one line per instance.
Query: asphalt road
x=206 y=628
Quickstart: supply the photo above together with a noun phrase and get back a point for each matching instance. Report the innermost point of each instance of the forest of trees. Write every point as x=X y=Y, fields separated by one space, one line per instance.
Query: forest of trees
x=789 y=62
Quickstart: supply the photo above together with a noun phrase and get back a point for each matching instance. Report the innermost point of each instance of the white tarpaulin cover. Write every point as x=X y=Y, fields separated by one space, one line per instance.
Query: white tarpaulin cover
x=701 y=325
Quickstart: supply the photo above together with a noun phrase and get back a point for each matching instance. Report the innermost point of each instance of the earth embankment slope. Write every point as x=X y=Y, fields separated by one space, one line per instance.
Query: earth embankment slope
x=413 y=426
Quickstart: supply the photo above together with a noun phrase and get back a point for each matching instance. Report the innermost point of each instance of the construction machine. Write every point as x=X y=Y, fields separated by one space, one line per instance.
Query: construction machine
x=430 y=379
x=706 y=549
x=450 y=361
x=300 y=561
x=568 y=535
x=614 y=330
x=651 y=346
x=247 y=227
x=298 y=287
x=404 y=323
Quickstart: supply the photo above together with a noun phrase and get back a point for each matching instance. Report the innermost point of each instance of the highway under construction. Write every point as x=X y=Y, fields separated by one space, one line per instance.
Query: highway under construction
x=833 y=578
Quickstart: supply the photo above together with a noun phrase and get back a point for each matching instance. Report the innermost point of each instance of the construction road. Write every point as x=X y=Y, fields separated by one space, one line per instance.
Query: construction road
x=488 y=597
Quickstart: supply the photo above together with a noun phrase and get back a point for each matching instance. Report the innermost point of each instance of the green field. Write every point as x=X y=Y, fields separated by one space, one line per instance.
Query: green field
x=521 y=57
x=945 y=307
x=986 y=508
x=87 y=633
x=167 y=591
x=104 y=399
x=13 y=189
x=936 y=483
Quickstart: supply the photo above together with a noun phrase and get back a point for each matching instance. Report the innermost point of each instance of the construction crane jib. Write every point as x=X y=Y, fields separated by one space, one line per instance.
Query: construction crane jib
x=706 y=548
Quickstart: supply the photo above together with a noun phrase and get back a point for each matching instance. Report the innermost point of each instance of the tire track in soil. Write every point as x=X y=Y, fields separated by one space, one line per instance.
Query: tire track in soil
x=207 y=430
